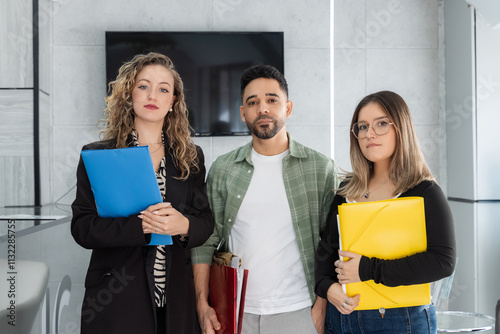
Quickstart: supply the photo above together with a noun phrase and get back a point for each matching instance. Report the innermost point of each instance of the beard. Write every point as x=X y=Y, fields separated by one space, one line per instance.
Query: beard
x=267 y=131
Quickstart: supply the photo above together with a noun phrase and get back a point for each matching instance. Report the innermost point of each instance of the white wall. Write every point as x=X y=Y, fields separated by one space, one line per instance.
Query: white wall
x=391 y=45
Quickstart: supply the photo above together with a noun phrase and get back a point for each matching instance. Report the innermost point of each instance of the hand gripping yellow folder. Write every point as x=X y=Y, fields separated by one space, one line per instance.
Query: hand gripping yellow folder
x=388 y=230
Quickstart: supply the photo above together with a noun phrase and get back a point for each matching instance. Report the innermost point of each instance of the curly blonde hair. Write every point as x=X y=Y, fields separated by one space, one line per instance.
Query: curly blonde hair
x=119 y=113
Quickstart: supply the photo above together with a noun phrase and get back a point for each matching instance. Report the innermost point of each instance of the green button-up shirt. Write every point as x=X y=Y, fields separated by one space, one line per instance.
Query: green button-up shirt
x=309 y=177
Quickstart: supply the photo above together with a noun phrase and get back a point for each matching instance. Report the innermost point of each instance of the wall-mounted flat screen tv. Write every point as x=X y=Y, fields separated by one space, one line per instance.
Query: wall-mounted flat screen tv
x=210 y=64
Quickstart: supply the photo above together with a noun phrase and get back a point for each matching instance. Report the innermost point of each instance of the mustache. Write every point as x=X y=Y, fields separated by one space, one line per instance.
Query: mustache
x=263 y=117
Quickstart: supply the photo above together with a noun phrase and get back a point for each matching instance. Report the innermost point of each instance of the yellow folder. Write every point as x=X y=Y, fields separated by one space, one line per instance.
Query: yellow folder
x=388 y=230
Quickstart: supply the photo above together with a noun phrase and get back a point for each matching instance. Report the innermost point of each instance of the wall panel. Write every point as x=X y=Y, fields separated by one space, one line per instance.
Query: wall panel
x=16 y=49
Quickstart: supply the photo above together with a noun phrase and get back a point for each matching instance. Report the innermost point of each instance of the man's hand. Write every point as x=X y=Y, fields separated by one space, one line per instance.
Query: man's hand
x=206 y=314
x=208 y=319
x=318 y=313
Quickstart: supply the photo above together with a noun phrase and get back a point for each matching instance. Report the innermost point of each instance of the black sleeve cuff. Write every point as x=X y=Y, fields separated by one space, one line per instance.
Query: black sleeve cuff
x=323 y=286
x=364 y=269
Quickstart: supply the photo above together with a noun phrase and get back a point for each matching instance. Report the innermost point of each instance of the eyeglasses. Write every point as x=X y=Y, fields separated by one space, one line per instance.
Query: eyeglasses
x=380 y=127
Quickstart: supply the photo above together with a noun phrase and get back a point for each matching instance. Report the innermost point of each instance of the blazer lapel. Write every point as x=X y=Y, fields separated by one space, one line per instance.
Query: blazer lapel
x=175 y=190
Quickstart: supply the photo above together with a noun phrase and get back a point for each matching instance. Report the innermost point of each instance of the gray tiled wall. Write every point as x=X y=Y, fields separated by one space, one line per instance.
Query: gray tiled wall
x=391 y=45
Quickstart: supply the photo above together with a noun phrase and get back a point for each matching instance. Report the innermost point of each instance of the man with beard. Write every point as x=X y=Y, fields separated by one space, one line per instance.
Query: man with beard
x=270 y=200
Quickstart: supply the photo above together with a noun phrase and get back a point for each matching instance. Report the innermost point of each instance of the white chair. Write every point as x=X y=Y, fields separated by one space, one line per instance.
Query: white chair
x=28 y=282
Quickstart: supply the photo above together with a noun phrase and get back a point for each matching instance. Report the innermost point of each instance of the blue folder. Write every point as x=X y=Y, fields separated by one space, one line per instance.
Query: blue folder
x=124 y=183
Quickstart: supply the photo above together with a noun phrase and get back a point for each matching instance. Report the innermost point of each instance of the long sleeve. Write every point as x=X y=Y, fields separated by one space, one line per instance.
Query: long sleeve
x=201 y=221
x=91 y=231
x=435 y=263
x=217 y=197
x=327 y=252
x=189 y=197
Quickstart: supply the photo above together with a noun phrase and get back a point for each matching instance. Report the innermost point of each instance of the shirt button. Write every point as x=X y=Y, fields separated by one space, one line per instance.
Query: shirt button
x=239 y=196
x=229 y=220
x=249 y=171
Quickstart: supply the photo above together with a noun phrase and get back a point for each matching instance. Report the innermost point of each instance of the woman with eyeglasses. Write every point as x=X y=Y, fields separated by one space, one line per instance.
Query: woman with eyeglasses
x=387 y=163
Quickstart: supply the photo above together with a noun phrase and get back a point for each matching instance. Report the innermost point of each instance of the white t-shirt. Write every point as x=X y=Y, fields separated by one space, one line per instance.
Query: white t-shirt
x=264 y=237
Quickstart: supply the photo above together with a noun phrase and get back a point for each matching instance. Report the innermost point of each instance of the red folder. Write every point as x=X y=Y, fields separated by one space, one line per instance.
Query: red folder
x=223 y=295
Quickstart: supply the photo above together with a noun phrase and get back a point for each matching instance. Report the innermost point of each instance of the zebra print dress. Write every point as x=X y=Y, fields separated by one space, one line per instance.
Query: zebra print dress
x=160 y=266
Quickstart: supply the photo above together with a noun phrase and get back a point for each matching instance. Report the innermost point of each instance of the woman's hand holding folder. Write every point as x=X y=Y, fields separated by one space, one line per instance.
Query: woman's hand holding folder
x=162 y=218
x=340 y=300
x=348 y=270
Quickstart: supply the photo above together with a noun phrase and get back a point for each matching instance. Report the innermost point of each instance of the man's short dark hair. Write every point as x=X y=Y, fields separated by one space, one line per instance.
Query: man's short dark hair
x=262 y=71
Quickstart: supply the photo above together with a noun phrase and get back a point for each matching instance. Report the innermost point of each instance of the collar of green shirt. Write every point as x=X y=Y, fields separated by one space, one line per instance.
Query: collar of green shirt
x=296 y=151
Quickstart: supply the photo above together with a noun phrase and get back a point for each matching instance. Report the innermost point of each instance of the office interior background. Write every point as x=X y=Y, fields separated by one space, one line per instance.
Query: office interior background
x=441 y=56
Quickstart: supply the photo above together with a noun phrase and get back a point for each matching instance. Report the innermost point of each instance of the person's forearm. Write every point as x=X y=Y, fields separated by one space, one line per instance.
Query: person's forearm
x=320 y=303
x=318 y=313
x=201 y=273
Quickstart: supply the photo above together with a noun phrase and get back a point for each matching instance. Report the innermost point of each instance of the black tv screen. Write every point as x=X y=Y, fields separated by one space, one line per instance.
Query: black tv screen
x=210 y=64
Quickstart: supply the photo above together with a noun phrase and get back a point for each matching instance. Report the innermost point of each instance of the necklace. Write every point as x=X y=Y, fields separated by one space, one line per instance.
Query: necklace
x=156 y=149
x=136 y=139
x=369 y=191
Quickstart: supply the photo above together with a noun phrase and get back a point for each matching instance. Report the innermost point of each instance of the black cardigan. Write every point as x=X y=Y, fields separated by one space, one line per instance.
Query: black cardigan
x=119 y=295
x=437 y=262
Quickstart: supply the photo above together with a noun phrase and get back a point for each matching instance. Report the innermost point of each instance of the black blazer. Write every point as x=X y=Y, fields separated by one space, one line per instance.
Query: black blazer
x=119 y=296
